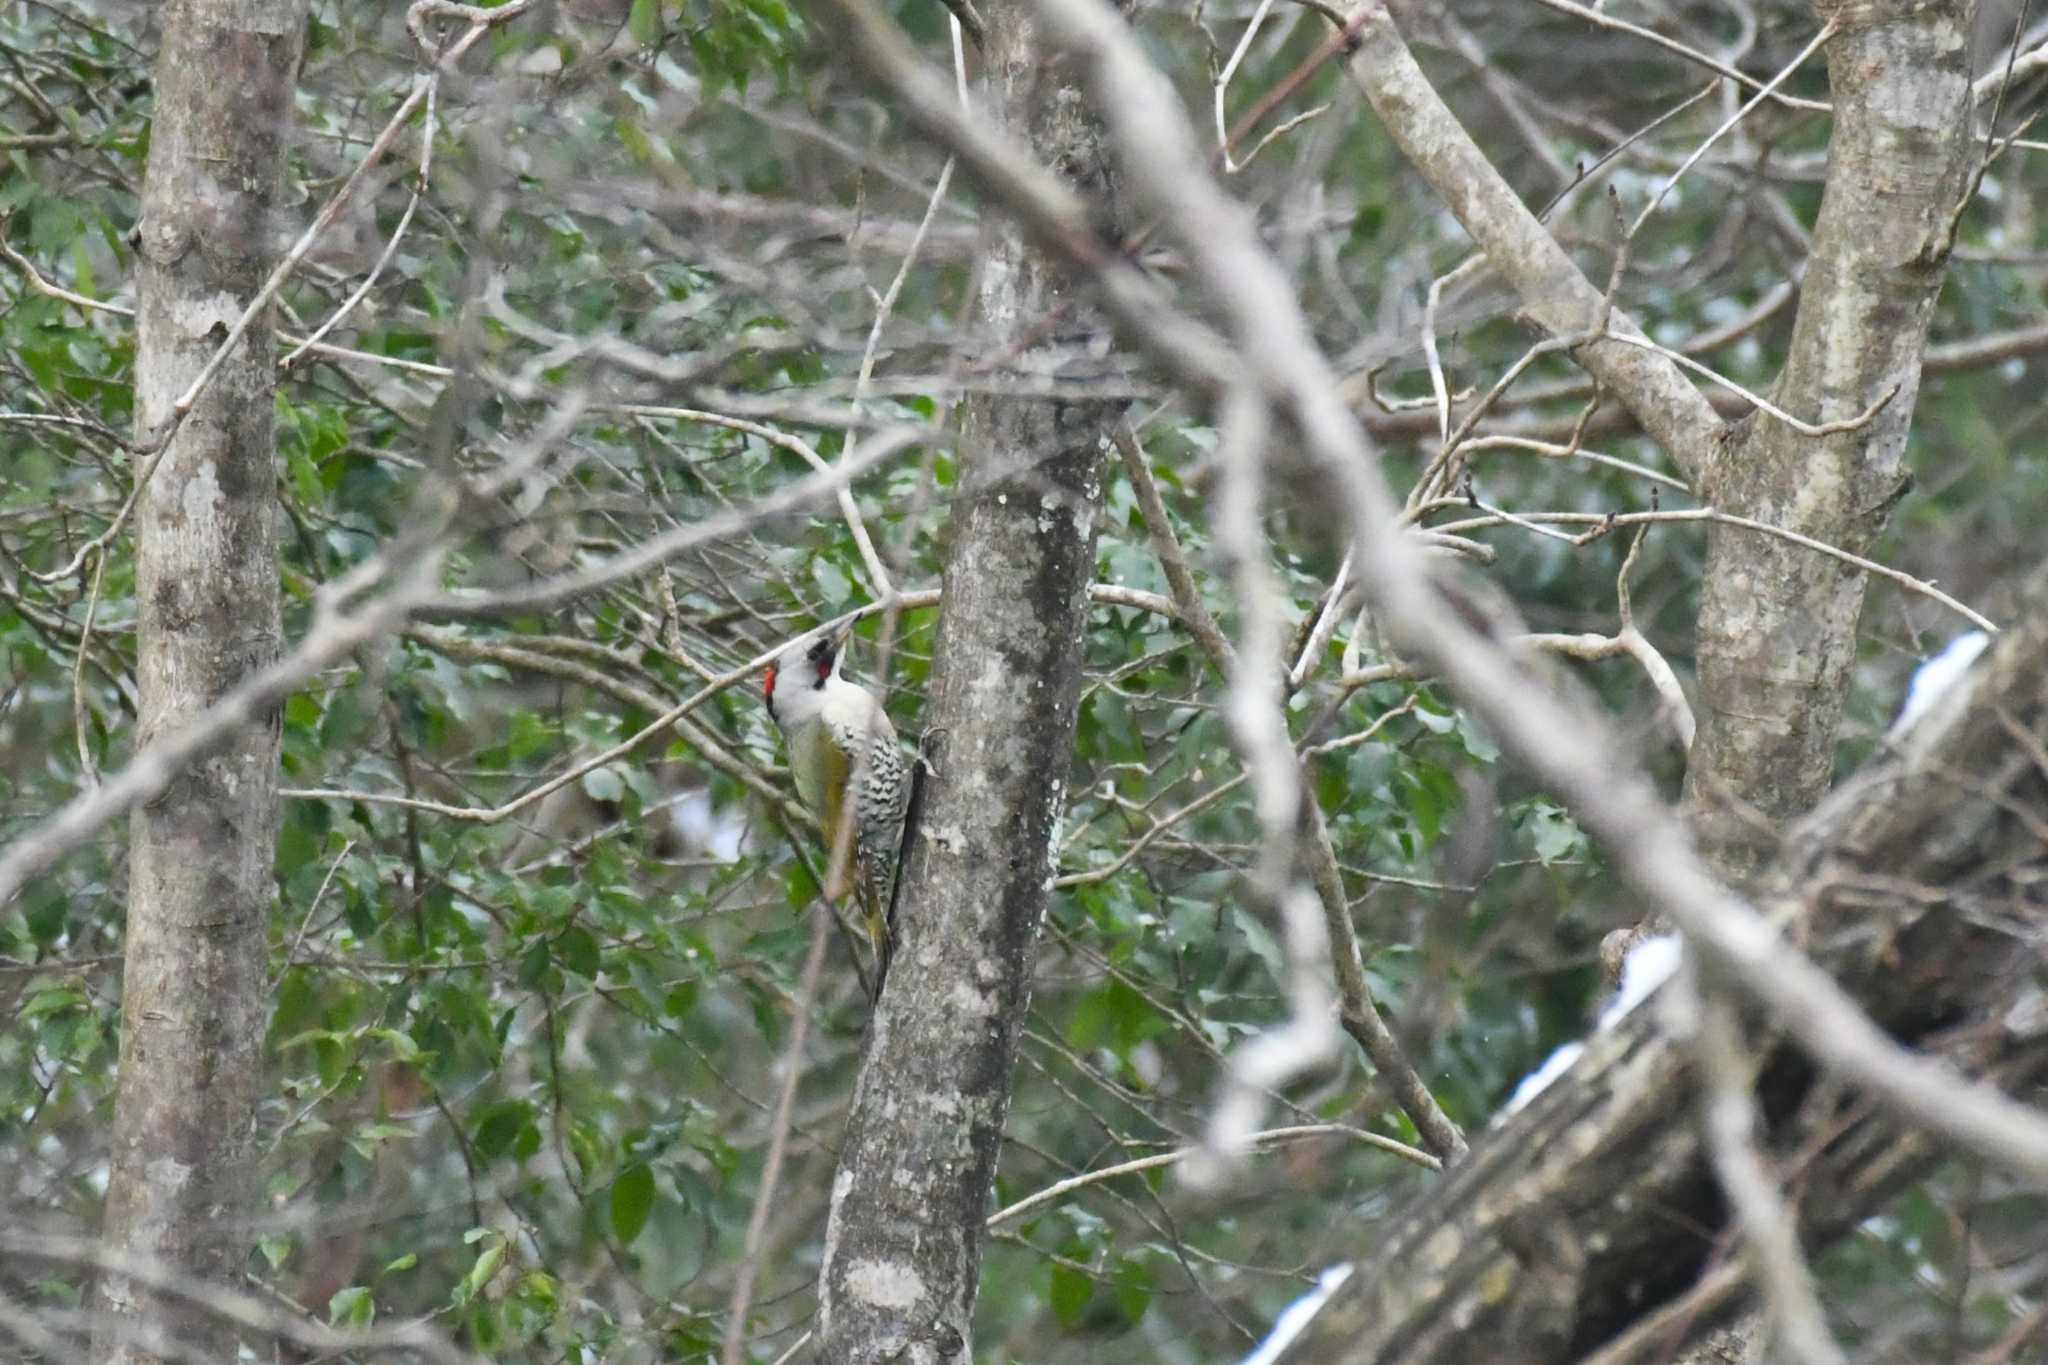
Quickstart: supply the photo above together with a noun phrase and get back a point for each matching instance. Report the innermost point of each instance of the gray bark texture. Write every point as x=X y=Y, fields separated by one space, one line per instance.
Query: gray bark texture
x=903 y=1244
x=194 y=994
x=1776 y=633
x=1578 y=1227
x=1777 y=623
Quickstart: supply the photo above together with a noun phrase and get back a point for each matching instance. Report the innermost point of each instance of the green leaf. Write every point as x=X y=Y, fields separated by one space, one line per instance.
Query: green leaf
x=577 y=951
x=352 y=1307
x=588 y=1148
x=500 y=1126
x=1366 y=771
x=480 y=1274
x=53 y=1001
x=636 y=142
x=276 y=1249
x=692 y=1190
x=1477 y=742
x=1552 y=833
x=632 y=1200
x=47 y=915
x=832 y=581
x=1071 y=1292
x=1091 y=1020
x=1190 y=921
x=402 y=1043
x=1264 y=946
x=644 y=23
x=799 y=887
x=1433 y=721
x=81 y=266
x=485 y=1327
x=1132 y=1287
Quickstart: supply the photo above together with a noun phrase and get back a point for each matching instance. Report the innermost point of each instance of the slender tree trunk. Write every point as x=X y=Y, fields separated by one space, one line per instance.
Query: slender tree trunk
x=903 y=1246
x=1777 y=623
x=194 y=1001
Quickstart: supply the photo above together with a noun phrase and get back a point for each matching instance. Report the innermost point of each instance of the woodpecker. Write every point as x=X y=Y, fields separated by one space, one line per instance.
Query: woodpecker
x=839 y=739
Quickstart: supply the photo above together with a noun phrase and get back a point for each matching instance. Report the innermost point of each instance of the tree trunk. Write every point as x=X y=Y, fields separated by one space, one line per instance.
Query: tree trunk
x=1777 y=623
x=903 y=1245
x=194 y=1004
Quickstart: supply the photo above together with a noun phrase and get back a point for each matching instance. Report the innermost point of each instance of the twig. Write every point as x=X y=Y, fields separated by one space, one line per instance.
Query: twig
x=481 y=22
x=1553 y=290
x=1251 y=31
x=878 y=576
x=1553 y=450
x=1827 y=31
x=1153 y=1163
x=1173 y=560
x=1324 y=625
x=158 y=442
x=778 y=1140
x=649 y=554
x=1358 y=1011
x=1831 y=428
x=1439 y=387
x=1280 y=130
x=1159 y=826
x=1991 y=146
x=1631 y=642
x=1307 y=1038
x=79 y=727
x=305 y=924
x=1768 y=1225
x=412 y=204
x=417 y=1335
x=1925 y=589
x=1443 y=469
x=1593 y=15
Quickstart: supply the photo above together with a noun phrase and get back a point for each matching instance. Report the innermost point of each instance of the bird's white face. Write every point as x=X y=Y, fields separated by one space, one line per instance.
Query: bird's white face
x=795 y=682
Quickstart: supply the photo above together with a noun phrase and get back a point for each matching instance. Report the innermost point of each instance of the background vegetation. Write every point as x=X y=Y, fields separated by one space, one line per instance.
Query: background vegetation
x=523 y=1060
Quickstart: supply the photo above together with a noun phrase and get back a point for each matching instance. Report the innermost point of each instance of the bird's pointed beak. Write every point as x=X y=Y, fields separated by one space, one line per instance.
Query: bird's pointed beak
x=841 y=638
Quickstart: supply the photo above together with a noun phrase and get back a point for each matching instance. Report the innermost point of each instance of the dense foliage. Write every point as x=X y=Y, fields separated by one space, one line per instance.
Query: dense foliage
x=525 y=1059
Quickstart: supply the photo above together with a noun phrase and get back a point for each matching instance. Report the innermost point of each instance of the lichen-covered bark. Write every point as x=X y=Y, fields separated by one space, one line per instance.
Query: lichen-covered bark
x=1777 y=624
x=1573 y=1226
x=194 y=999
x=902 y=1248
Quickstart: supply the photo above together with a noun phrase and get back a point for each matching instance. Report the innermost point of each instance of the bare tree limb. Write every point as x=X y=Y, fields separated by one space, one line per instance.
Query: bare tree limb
x=1552 y=289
